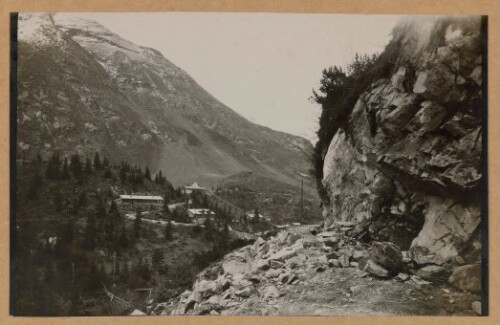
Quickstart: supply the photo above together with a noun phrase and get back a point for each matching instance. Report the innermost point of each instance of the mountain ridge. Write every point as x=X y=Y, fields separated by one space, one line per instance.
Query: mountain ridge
x=133 y=103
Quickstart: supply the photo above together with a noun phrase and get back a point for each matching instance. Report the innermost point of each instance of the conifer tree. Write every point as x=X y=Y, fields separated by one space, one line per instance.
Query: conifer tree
x=105 y=162
x=76 y=167
x=89 y=237
x=94 y=278
x=168 y=232
x=205 y=203
x=209 y=229
x=53 y=167
x=124 y=240
x=82 y=201
x=157 y=259
x=108 y=173
x=58 y=201
x=36 y=183
x=147 y=174
x=256 y=216
x=137 y=223
x=88 y=166
x=97 y=161
x=74 y=309
x=112 y=221
x=123 y=174
x=101 y=209
x=161 y=179
x=65 y=170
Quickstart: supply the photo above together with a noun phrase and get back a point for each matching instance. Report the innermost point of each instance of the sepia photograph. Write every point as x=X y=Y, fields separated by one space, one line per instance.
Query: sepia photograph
x=248 y=163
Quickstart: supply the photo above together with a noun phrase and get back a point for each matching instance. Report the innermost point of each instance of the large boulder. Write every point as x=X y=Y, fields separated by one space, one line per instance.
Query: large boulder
x=271 y=292
x=440 y=238
x=287 y=252
x=433 y=273
x=376 y=270
x=273 y=273
x=329 y=238
x=235 y=265
x=245 y=292
x=467 y=278
x=387 y=255
x=205 y=288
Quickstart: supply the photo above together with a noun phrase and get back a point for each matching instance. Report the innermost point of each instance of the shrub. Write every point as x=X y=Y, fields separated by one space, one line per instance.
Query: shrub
x=337 y=95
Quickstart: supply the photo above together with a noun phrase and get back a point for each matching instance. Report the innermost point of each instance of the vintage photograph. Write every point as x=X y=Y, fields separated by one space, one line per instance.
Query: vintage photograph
x=204 y=163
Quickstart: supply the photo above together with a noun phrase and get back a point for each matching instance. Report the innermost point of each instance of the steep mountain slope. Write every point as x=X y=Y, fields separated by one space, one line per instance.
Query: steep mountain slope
x=82 y=88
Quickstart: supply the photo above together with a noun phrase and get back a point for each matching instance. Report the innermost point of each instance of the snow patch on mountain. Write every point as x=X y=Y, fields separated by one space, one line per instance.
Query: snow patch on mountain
x=37 y=29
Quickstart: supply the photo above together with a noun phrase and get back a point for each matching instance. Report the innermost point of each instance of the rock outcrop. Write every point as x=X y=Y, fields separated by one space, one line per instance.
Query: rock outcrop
x=412 y=175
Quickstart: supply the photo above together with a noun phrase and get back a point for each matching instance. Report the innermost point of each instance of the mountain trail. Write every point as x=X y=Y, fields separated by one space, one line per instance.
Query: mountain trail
x=295 y=273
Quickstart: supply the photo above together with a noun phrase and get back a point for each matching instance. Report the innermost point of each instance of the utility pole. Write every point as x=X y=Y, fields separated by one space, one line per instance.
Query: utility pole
x=114 y=267
x=302 y=200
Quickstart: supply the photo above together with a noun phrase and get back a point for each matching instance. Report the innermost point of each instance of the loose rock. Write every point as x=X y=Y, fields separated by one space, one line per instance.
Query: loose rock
x=375 y=269
x=476 y=307
x=467 y=278
x=245 y=292
x=403 y=276
x=334 y=263
x=271 y=292
x=387 y=255
x=433 y=273
x=344 y=261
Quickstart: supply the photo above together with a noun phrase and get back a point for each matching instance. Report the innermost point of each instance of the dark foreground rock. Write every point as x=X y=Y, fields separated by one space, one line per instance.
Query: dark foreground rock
x=387 y=255
x=467 y=278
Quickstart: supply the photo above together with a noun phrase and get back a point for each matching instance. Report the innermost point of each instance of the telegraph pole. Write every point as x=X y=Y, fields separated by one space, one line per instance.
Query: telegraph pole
x=114 y=267
x=302 y=200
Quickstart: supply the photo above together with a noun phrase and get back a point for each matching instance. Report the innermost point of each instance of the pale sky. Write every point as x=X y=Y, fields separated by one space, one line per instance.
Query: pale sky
x=262 y=65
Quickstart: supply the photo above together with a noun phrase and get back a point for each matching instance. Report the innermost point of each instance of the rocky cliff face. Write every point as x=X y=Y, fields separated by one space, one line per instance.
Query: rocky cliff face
x=408 y=169
x=82 y=88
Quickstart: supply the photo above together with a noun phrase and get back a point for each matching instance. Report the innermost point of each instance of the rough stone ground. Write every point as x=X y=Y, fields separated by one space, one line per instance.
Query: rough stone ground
x=319 y=290
x=331 y=293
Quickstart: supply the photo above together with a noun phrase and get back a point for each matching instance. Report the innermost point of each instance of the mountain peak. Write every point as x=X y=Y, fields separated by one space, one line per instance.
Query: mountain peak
x=129 y=102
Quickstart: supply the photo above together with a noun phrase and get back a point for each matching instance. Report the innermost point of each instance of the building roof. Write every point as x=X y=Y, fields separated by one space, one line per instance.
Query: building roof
x=194 y=186
x=142 y=197
x=251 y=215
x=200 y=211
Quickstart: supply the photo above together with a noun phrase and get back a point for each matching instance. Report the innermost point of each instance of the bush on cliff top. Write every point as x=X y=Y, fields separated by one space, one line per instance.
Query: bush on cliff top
x=338 y=92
